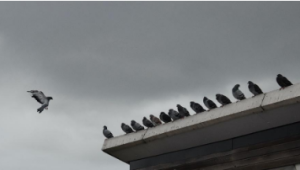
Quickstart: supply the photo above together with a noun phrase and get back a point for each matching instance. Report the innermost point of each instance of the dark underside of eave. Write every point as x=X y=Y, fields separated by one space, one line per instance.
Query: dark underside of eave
x=266 y=149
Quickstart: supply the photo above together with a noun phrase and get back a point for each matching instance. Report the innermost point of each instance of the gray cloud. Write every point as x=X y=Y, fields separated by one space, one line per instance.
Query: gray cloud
x=109 y=62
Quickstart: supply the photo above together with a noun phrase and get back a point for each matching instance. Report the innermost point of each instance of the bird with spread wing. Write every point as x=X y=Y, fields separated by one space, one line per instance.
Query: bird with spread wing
x=41 y=98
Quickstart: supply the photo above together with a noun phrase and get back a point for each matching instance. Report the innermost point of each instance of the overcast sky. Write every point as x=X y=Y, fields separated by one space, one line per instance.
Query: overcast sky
x=105 y=63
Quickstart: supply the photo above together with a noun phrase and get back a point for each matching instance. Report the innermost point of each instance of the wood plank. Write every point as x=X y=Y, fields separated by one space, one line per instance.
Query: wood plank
x=242 y=155
x=271 y=164
x=230 y=159
x=256 y=162
x=268 y=157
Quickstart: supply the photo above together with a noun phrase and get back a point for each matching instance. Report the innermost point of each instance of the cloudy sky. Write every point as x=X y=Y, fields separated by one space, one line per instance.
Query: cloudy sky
x=105 y=63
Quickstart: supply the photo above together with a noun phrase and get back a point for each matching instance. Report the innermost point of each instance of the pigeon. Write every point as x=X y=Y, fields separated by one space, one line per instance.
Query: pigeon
x=283 y=81
x=147 y=123
x=41 y=98
x=174 y=115
x=126 y=128
x=223 y=100
x=155 y=120
x=209 y=104
x=164 y=117
x=136 y=126
x=197 y=107
x=182 y=110
x=238 y=94
x=254 y=88
x=107 y=133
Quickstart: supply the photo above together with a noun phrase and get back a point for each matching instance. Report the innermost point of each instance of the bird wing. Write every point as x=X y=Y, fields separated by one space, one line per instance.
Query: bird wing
x=257 y=89
x=39 y=96
x=108 y=134
x=226 y=100
x=156 y=120
x=211 y=103
x=239 y=95
x=286 y=81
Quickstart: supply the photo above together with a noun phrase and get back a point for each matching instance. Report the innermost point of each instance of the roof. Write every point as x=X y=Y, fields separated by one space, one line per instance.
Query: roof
x=272 y=109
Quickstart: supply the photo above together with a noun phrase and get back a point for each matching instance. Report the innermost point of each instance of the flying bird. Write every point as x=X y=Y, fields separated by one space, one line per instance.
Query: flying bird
x=126 y=128
x=136 y=126
x=197 y=107
x=209 y=103
x=41 y=98
x=147 y=123
x=164 y=117
x=283 y=81
x=182 y=110
x=155 y=120
x=254 y=88
x=223 y=100
x=107 y=133
x=237 y=93
x=174 y=115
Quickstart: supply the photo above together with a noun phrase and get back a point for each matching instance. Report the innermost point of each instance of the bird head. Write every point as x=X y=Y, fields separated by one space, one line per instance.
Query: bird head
x=162 y=113
x=122 y=124
x=104 y=127
x=279 y=75
x=132 y=122
x=191 y=103
x=218 y=95
x=151 y=116
x=205 y=98
x=49 y=98
x=144 y=118
x=236 y=87
x=178 y=105
x=250 y=82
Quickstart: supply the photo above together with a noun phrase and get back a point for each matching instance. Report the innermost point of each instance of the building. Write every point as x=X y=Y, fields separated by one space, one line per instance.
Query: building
x=258 y=133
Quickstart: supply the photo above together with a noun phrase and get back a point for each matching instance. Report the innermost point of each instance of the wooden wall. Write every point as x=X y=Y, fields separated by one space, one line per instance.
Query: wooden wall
x=263 y=150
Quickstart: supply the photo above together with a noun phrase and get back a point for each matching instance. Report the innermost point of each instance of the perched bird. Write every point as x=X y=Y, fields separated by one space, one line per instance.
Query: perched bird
x=237 y=93
x=254 y=88
x=197 y=107
x=136 y=126
x=126 y=128
x=164 y=117
x=147 y=123
x=182 y=110
x=209 y=103
x=155 y=120
x=107 y=133
x=41 y=98
x=174 y=115
x=223 y=100
x=283 y=81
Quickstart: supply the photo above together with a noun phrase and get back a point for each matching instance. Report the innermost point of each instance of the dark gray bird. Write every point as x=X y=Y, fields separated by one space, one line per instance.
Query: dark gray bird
x=147 y=123
x=197 y=107
x=237 y=93
x=164 y=117
x=254 y=88
x=283 y=81
x=126 y=128
x=107 y=133
x=223 y=100
x=174 y=115
x=41 y=98
x=183 y=111
x=155 y=120
x=136 y=126
x=209 y=103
